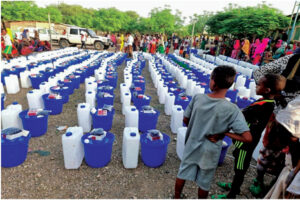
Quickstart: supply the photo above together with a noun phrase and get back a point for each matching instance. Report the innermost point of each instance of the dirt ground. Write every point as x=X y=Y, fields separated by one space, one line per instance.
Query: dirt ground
x=45 y=176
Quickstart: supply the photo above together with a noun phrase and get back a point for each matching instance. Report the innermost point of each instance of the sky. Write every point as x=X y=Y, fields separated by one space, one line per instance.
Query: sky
x=187 y=7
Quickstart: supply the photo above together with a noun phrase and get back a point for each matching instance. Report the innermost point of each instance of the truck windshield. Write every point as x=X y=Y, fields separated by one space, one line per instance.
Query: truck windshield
x=92 y=33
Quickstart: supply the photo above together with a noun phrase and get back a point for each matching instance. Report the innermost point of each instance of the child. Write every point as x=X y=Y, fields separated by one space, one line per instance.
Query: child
x=257 y=116
x=8 y=45
x=209 y=117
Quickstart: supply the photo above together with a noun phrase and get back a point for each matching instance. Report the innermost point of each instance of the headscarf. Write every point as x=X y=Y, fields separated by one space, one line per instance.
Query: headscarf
x=278 y=44
x=246 y=47
x=237 y=44
x=261 y=48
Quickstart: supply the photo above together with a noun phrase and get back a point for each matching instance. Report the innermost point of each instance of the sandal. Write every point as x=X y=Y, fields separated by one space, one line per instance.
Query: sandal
x=219 y=196
x=224 y=185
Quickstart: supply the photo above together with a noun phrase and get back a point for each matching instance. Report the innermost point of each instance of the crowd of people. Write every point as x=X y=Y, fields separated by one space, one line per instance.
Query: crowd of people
x=260 y=51
x=22 y=44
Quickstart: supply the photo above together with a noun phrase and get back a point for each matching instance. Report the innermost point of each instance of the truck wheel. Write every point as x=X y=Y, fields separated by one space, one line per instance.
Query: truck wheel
x=64 y=43
x=98 y=45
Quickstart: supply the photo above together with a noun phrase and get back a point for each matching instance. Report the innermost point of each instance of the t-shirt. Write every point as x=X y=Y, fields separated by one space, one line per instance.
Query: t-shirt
x=209 y=116
x=83 y=36
x=7 y=40
x=257 y=116
x=130 y=40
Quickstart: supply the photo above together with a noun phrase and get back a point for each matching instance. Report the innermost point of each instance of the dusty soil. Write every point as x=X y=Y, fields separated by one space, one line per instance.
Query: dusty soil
x=46 y=177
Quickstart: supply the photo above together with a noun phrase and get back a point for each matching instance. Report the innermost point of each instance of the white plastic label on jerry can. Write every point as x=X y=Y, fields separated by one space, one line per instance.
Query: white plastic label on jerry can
x=130 y=147
x=73 y=150
x=180 y=144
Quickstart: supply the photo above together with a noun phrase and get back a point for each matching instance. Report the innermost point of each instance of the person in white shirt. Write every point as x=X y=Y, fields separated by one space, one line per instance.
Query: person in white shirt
x=83 y=38
x=129 y=43
x=7 y=43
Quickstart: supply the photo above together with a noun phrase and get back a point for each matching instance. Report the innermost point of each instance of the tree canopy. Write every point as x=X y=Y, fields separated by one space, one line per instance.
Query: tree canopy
x=260 y=20
x=237 y=21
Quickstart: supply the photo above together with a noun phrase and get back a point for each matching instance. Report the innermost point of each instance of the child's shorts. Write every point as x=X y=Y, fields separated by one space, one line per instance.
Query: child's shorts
x=203 y=177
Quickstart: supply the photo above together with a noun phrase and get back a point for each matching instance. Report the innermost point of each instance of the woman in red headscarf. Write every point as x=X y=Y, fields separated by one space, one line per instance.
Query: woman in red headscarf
x=236 y=49
x=259 y=51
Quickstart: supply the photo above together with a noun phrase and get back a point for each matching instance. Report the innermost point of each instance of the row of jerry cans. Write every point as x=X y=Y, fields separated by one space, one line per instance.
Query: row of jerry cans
x=97 y=148
x=241 y=95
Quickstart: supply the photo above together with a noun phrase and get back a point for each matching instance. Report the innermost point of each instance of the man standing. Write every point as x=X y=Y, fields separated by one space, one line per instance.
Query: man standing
x=129 y=43
x=83 y=39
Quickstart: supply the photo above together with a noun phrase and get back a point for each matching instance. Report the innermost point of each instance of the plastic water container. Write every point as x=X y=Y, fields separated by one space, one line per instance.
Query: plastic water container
x=252 y=87
x=37 y=125
x=182 y=100
x=90 y=98
x=61 y=90
x=84 y=117
x=124 y=88
x=148 y=118
x=103 y=118
x=25 y=80
x=45 y=87
x=131 y=117
x=130 y=147
x=232 y=94
x=162 y=95
x=244 y=92
x=226 y=144
x=154 y=153
x=13 y=152
x=240 y=81
x=180 y=144
x=140 y=100
x=191 y=84
x=98 y=153
x=170 y=100
x=126 y=101
x=10 y=118
x=35 y=100
x=12 y=84
x=176 y=118
x=243 y=102
x=2 y=100
x=104 y=98
x=91 y=86
x=54 y=105
x=90 y=79
x=36 y=80
x=73 y=150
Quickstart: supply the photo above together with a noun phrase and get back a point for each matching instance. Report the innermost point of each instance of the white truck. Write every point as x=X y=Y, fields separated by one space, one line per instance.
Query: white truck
x=72 y=37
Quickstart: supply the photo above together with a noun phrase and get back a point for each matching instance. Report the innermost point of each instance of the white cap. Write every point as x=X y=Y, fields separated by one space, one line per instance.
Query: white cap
x=290 y=117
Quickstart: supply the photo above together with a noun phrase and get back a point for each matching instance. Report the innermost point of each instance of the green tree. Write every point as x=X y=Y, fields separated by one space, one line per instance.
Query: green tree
x=260 y=20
